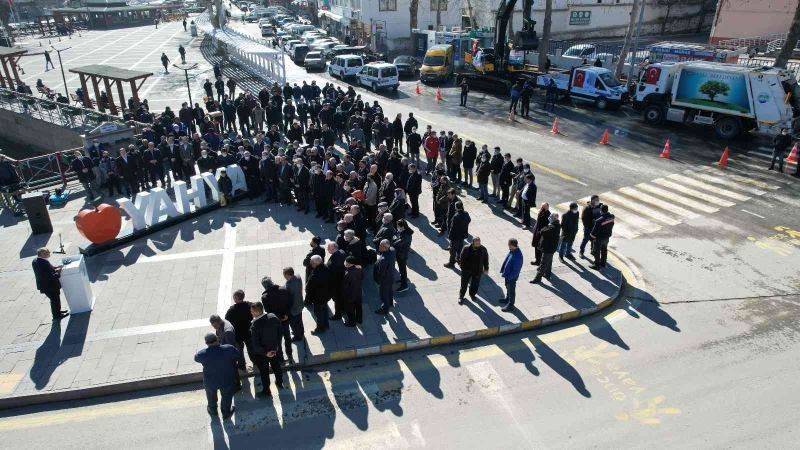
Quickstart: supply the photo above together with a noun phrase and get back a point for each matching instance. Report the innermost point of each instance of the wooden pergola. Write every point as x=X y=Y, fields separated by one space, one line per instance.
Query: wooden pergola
x=109 y=76
x=8 y=58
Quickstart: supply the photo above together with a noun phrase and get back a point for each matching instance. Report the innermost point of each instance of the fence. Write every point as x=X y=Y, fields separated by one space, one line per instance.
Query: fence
x=792 y=66
x=46 y=171
x=250 y=52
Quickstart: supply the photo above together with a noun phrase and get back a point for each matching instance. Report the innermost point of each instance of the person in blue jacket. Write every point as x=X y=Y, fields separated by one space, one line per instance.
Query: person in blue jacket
x=510 y=269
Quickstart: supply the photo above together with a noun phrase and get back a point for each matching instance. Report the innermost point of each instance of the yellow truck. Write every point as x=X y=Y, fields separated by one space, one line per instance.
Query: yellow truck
x=437 y=65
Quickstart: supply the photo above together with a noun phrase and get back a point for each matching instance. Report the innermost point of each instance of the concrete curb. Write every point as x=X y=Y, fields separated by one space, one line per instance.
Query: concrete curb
x=344 y=355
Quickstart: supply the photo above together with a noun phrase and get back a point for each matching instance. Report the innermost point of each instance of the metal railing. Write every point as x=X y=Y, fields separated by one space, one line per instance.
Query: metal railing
x=69 y=116
x=759 y=43
x=791 y=66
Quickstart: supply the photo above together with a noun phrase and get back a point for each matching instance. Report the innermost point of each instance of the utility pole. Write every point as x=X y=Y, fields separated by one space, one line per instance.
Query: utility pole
x=439 y=13
x=186 y=68
x=635 y=55
x=61 y=64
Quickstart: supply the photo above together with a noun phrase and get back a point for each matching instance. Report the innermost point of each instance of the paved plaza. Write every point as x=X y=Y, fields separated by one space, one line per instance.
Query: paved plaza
x=155 y=295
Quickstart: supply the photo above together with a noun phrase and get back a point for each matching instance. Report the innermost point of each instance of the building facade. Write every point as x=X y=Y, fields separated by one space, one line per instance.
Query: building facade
x=738 y=19
x=385 y=25
x=586 y=19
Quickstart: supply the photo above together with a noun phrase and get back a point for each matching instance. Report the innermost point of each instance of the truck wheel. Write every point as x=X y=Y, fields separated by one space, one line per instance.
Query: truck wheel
x=728 y=127
x=653 y=114
x=601 y=103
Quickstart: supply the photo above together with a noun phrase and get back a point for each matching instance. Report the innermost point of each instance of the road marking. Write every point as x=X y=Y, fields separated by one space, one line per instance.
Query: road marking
x=697 y=194
x=613 y=198
x=186 y=255
x=724 y=182
x=754 y=214
x=739 y=178
x=678 y=198
x=708 y=187
x=641 y=196
x=226 y=271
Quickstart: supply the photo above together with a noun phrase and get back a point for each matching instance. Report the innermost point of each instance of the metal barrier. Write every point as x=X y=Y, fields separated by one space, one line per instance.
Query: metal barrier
x=45 y=171
x=69 y=116
x=791 y=66
x=249 y=52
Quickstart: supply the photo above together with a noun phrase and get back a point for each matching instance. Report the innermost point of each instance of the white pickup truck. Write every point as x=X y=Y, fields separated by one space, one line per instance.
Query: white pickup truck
x=588 y=83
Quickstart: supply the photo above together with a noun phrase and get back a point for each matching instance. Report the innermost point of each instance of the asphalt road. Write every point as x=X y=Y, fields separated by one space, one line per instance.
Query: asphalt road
x=709 y=374
x=703 y=356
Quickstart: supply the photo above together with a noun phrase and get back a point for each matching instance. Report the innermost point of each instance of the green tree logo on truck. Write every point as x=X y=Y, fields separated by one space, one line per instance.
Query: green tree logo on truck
x=713 y=88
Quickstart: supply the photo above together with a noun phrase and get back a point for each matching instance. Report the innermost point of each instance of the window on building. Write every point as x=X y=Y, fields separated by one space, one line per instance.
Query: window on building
x=442 y=5
x=387 y=5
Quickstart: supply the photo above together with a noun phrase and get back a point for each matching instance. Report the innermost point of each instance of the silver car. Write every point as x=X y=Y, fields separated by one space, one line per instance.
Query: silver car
x=314 y=61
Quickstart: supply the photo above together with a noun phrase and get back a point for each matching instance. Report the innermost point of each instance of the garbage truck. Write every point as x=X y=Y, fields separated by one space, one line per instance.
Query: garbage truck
x=730 y=98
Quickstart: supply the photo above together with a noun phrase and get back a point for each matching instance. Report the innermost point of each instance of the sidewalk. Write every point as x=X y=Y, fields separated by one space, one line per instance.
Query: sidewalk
x=155 y=295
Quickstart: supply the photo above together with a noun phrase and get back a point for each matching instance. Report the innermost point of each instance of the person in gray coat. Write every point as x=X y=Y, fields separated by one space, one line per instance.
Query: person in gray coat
x=219 y=374
x=226 y=335
x=383 y=274
x=295 y=287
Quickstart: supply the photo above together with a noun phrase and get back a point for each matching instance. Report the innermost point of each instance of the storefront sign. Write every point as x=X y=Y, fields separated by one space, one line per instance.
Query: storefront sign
x=580 y=17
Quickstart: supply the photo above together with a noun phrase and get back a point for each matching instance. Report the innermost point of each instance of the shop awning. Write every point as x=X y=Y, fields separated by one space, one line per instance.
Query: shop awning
x=334 y=17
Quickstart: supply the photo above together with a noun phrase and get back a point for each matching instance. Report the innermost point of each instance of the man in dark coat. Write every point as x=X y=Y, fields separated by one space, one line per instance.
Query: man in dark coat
x=82 y=166
x=459 y=230
x=219 y=374
x=265 y=341
x=474 y=262
x=414 y=189
x=127 y=171
x=569 y=229
x=506 y=177
x=318 y=292
x=335 y=266
x=240 y=317
x=302 y=186
x=601 y=233
x=385 y=231
x=383 y=274
x=548 y=244
x=277 y=301
x=48 y=282
x=542 y=220
x=352 y=292
x=589 y=214
x=316 y=249
x=402 y=246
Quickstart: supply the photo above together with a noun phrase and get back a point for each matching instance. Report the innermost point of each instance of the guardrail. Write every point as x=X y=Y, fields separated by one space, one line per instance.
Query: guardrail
x=62 y=114
x=791 y=66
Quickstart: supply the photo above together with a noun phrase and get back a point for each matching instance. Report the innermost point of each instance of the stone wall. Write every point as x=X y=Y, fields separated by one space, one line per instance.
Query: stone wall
x=38 y=135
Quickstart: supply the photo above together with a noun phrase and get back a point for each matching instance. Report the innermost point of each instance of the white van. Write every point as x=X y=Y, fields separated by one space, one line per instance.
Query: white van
x=345 y=66
x=379 y=75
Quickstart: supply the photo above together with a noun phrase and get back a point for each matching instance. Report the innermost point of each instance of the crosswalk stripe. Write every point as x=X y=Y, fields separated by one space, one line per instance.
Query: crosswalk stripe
x=620 y=229
x=646 y=198
x=639 y=208
x=761 y=156
x=632 y=221
x=694 y=193
x=746 y=180
x=725 y=182
x=708 y=187
x=686 y=201
x=761 y=175
x=739 y=161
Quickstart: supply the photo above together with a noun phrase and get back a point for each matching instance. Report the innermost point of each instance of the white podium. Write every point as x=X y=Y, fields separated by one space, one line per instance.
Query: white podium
x=77 y=289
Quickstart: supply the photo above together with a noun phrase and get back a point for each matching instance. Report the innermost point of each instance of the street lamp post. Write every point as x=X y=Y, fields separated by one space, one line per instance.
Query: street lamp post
x=186 y=68
x=61 y=65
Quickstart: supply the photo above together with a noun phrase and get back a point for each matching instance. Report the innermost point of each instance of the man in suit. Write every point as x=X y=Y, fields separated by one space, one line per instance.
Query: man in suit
x=414 y=189
x=219 y=374
x=265 y=341
x=48 y=283
x=83 y=166
x=318 y=292
x=302 y=185
x=383 y=274
x=151 y=157
x=240 y=318
x=127 y=172
x=335 y=265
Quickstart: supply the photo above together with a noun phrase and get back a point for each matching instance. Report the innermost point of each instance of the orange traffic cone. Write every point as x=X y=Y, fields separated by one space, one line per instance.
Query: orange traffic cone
x=418 y=92
x=792 y=155
x=555 y=129
x=665 y=152
x=439 y=94
x=604 y=140
x=723 y=160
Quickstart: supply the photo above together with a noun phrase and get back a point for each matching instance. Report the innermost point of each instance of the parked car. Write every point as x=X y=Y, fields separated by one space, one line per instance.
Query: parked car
x=379 y=75
x=299 y=53
x=345 y=66
x=267 y=30
x=314 y=61
x=581 y=51
x=288 y=46
x=407 y=66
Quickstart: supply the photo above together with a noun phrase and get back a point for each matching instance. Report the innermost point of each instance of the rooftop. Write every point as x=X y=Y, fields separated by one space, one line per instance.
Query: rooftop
x=111 y=72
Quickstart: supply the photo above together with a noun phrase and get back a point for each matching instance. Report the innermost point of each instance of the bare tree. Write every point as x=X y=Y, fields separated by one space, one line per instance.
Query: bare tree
x=626 y=46
x=413 y=9
x=791 y=40
x=544 y=43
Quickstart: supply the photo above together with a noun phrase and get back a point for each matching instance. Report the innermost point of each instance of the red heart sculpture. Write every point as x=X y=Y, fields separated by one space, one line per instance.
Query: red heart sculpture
x=100 y=224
